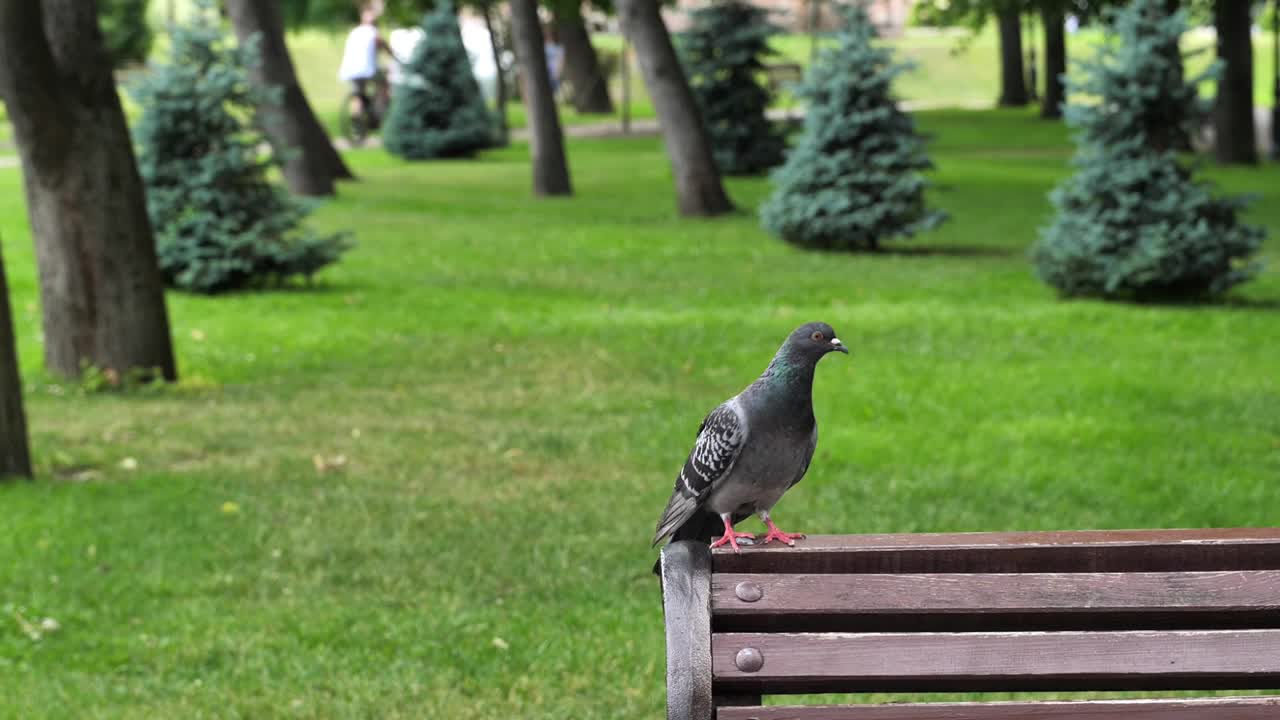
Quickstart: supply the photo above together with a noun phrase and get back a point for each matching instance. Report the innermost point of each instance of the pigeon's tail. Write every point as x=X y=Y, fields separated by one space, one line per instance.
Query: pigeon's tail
x=704 y=526
x=681 y=509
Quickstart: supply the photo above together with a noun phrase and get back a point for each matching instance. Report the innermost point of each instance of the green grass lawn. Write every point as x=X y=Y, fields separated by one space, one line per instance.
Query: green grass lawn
x=513 y=384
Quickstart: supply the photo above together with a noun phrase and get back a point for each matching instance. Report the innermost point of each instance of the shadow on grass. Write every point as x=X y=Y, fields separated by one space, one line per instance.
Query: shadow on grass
x=947 y=251
x=957 y=251
x=1239 y=303
x=319 y=287
x=1175 y=304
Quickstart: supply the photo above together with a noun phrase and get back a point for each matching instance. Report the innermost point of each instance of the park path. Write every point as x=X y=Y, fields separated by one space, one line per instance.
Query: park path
x=649 y=127
x=642 y=127
x=639 y=128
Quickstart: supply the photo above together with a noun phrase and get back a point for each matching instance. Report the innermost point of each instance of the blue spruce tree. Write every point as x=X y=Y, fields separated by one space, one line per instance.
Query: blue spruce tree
x=220 y=223
x=723 y=53
x=1133 y=222
x=854 y=178
x=438 y=110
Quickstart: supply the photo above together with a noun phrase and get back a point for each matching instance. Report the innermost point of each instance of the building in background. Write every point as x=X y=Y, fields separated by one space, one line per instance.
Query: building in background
x=799 y=16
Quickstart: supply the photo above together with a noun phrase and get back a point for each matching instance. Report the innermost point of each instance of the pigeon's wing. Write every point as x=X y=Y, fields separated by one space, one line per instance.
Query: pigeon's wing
x=813 y=445
x=720 y=440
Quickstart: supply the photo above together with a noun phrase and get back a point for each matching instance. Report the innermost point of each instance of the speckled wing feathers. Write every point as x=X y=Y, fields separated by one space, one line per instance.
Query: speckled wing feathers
x=720 y=440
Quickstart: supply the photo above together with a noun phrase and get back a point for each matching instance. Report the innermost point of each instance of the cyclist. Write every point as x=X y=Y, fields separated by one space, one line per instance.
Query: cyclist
x=360 y=56
x=554 y=51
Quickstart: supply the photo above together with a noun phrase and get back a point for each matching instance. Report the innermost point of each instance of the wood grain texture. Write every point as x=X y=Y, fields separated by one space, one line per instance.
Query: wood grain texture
x=686 y=607
x=1086 y=551
x=943 y=662
x=1242 y=708
x=971 y=601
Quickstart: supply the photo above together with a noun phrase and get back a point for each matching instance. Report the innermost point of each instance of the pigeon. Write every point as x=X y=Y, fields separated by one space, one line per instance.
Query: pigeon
x=752 y=448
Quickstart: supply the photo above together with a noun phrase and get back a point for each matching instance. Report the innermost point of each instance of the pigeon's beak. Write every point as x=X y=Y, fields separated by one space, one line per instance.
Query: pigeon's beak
x=839 y=346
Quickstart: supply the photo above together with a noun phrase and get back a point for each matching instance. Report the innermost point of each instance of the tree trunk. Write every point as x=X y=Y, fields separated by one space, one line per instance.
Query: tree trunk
x=311 y=164
x=100 y=283
x=500 y=79
x=550 y=171
x=1013 y=85
x=15 y=457
x=1055 y=60
x=1234 y=141
x=581 y=64
x=698 y=185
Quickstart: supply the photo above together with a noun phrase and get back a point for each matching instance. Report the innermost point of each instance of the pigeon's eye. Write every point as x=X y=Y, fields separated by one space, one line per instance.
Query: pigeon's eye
x=817 y=335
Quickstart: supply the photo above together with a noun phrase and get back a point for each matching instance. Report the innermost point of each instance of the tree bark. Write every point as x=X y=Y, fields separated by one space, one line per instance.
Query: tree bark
x=1055 y=60
x=100 y=283
x=311 y=163
x=581 y=63
x=698 y=185
x=1234 y=141
x=1013 y=84
x=15 y=455
x=500 y=79
x=550 y=171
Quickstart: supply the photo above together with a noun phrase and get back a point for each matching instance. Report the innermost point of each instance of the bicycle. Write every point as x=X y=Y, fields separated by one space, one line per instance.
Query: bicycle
x=355 y=120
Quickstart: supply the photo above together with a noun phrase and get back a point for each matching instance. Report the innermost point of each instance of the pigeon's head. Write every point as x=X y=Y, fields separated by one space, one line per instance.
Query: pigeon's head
x=815 y=340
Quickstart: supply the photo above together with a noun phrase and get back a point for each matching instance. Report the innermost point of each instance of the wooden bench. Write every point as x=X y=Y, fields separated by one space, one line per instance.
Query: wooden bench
x=976 y=612
x=783 y=77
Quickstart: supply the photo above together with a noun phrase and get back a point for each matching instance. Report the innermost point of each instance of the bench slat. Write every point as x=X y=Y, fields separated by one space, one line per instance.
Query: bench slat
x=959 y=601
x=977 y=662
x=1238 y=708
x=1089 y=551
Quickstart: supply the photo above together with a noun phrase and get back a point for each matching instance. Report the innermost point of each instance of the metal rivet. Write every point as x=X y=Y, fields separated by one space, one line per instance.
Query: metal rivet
x=748 y=591
x=749 y=660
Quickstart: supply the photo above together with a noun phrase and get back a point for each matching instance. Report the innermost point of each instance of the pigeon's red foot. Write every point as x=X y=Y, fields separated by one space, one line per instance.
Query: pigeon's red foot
x=776 y=534
x=731 y=536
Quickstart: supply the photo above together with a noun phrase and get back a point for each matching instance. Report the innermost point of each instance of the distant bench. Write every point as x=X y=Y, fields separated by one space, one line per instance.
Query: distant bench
x=979 y=612
x=781 y=77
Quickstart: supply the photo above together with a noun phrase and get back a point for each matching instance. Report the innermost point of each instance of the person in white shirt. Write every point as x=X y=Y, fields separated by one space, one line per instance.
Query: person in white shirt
x=555 y=56
x=360 y=56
